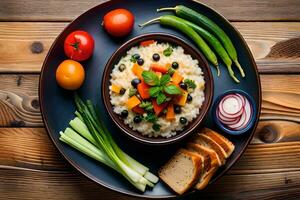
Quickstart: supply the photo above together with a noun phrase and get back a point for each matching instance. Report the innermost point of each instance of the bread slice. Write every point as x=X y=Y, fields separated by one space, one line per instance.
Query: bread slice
x=205 y=180
x=209 y=169
x=208 y=142
x=182 y=171
x=206 y=161
x=227 y=146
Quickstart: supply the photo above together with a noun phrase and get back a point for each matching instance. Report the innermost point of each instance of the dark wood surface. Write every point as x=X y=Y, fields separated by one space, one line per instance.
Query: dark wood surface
x=31 y=167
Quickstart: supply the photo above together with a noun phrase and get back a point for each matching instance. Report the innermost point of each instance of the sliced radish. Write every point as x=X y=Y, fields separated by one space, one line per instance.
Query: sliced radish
x=247 y=114
x=229 y=116
x=231 y=104
x=220 y=116
x=230 y=122
x=242 y=98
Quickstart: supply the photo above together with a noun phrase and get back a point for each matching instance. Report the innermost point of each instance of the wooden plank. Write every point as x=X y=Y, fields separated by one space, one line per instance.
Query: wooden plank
x=29 y=159
x=236 y=10
x=72 y=185
x=19 y=104
x=275 y=46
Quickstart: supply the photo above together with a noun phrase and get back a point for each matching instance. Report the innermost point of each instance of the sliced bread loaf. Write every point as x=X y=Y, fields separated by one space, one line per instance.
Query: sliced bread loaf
x=227 y=146
x=182 y=171
x=209 y=169
x=209 y=143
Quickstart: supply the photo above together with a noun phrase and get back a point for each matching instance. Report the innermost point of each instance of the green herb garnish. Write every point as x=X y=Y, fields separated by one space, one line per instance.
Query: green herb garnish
x=132 y=91
x=160 y=86
x=146 y=105
x=161 y=98
x=165 y=79
x=156 y=127
x=168 y=51
x=154 y=91
x=172 y=89
x=151 y=117
x=134 y=58
x=190 y=83
x=150 y=78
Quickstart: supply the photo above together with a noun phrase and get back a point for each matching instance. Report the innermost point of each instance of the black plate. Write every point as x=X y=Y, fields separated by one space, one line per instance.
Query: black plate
x=57 y=106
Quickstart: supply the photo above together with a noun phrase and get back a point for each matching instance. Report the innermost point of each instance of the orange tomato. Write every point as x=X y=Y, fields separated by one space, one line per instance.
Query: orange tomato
x=70 y=75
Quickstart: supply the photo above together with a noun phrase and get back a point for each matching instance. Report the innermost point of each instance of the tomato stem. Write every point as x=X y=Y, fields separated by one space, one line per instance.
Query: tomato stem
x=75 y=45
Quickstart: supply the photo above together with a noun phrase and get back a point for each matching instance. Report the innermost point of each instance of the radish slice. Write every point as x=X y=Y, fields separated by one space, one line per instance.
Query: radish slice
x=246 y=117
x=248 y=111
x=220 y=116
x=229 y=116
x=230 y=122
x=231 y=105
x=242 y=98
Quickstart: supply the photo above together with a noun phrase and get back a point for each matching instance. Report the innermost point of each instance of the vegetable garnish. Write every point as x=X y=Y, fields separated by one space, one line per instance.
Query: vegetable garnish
x=146 y=105
x=89 y=135
x=168 y=51
x=160 y=86
x=132 y=91
x=190 y=83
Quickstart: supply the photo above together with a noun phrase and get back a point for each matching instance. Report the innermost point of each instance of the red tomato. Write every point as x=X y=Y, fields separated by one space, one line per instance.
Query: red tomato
x=79 y=45
x=119 y=22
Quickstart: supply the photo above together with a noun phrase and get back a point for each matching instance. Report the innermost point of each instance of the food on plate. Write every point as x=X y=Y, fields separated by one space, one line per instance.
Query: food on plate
x=202 y=20
x=79 y=45
x=89 y=135
x=208 y=146
x=234 y=111
x=70 y=75
x=162 y=93
x=177 y=23
x=118 y=22
x=182 y=171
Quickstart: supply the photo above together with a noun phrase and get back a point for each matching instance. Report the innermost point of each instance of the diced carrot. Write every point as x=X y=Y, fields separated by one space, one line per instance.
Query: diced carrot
x=181 y=100
x=115 y=88
x=143 y=90
x=159 y=68
x=147 y=43
x=137 y=70
x=158 y=108
x=176 y=78
x=170 y=113
x=132 y=102
x=138 y=110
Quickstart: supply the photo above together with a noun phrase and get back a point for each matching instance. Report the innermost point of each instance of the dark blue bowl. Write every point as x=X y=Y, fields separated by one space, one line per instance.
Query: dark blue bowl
x=220 y=124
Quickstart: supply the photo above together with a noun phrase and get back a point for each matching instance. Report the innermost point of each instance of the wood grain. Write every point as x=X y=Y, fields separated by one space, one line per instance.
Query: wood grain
x=236 y=10
x=19 y=105
x=275 y=45
x=29 y=153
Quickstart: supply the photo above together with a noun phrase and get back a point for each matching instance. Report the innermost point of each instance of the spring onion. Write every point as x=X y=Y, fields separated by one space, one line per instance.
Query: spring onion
x=88 y=135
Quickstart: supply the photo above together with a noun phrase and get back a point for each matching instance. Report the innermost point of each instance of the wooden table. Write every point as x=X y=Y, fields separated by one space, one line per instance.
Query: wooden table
x=31 y=167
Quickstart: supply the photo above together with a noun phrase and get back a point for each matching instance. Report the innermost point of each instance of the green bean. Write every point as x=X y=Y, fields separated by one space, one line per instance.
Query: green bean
x=179 y=24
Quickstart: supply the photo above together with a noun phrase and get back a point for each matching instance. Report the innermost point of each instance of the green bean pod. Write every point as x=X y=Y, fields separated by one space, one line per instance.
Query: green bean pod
x=199 y=19
x=214 y=42
x=179 y=24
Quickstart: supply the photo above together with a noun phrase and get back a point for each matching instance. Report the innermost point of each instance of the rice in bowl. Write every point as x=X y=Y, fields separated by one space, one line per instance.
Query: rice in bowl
x=151 y=123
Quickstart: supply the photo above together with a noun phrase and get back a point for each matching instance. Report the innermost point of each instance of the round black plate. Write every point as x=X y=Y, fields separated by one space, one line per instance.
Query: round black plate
x=58 y=108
